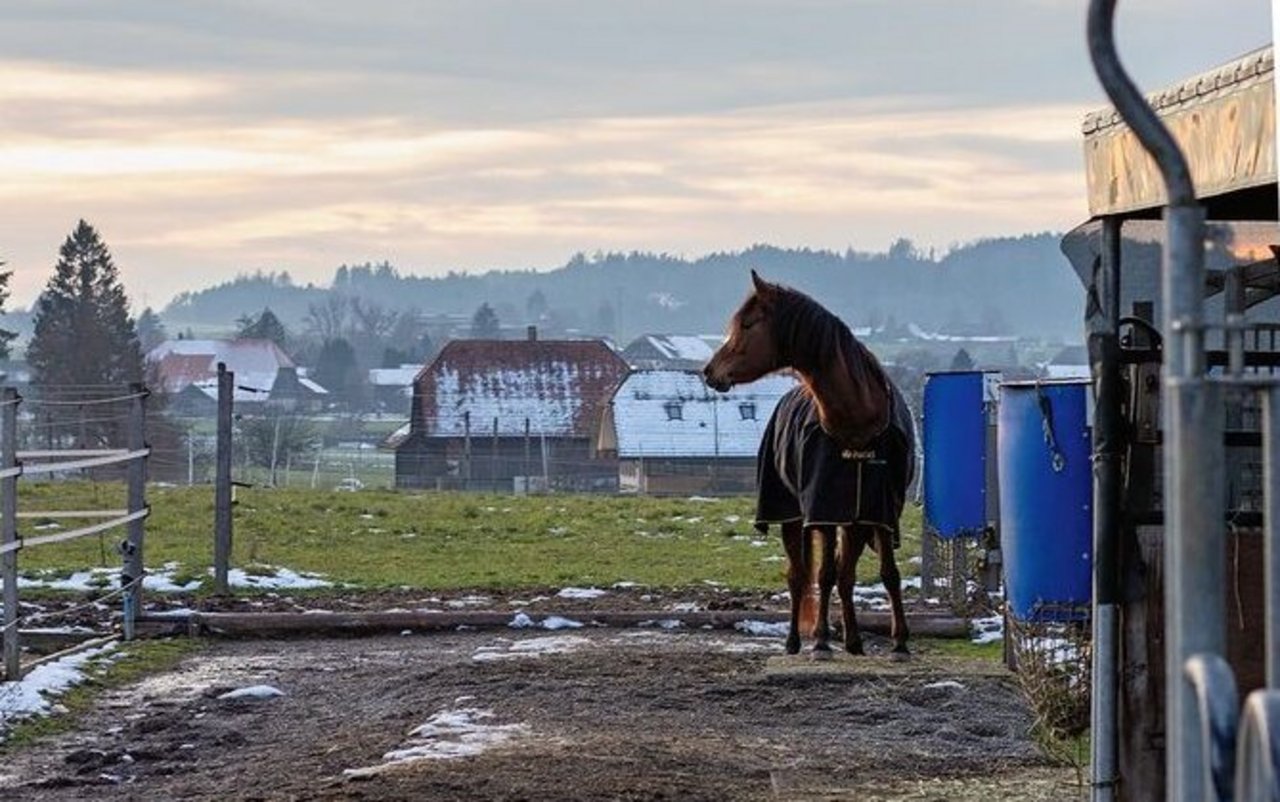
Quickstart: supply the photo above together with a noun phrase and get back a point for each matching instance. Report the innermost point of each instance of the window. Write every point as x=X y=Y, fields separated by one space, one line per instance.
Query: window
x=675 y=410
x=747 y=409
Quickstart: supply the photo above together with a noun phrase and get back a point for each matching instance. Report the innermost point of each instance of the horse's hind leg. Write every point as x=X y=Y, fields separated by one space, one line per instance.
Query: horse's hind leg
x=893 y=584
x=797 y=578
x=851 y=544
x=826 y=582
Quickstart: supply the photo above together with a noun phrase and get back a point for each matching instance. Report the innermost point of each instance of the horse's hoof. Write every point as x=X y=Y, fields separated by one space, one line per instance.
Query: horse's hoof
x=854 y=648
x=793 y=646
x=899 y=656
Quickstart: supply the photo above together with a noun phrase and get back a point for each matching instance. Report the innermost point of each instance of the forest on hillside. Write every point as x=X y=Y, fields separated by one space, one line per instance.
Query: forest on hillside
x=1016 y=285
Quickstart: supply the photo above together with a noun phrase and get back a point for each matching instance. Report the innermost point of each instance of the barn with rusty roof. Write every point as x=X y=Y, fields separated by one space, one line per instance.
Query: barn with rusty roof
x=504 y=414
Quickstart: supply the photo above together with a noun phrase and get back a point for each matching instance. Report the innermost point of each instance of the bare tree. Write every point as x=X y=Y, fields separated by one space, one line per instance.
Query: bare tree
x=374 y=320
x=328 y=320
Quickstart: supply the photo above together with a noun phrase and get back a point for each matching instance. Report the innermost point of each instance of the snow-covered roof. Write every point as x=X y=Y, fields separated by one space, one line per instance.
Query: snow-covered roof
x=672 y=413
x=559 y=386
x=671 y=350
x=402 y=376
x=182 y=362
x=934 y=336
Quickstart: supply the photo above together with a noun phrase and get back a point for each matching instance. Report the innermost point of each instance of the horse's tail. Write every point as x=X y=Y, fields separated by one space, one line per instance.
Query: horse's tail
x=809 y=568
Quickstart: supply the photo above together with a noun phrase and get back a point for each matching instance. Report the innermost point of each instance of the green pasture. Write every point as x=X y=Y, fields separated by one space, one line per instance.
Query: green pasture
x=438 y=540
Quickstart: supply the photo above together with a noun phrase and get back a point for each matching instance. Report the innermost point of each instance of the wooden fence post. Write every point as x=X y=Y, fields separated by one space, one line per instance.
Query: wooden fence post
x=9 y=532
x=131 y=578
x=222 y=483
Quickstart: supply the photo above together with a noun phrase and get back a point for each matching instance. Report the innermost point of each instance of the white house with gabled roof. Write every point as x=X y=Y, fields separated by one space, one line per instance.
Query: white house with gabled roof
x=674 y=435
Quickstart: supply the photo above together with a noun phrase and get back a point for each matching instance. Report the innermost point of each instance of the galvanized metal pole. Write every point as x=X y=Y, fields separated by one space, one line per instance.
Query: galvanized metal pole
x=1194 y=494
x=9 y=532
x=131 y=577
x=1104 y=353
x=222 y=483
x=1271 y=522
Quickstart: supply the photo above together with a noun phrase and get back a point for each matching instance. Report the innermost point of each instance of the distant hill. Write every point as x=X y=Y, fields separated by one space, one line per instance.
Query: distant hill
x=1020 y=285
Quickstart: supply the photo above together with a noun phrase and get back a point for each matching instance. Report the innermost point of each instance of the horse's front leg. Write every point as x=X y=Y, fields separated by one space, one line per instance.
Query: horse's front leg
x=852 y=542
x=893 y=584
x=826 y=582
x=797 y=578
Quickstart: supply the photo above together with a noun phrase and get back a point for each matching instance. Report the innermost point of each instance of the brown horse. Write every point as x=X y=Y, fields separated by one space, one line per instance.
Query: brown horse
x=836 y=458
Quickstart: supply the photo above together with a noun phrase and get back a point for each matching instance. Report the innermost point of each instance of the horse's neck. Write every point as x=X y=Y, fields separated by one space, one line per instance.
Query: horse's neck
x=852 y=395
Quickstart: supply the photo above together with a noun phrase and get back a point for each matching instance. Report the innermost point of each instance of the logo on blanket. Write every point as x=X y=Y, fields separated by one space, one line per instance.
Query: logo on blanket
x=849 y=453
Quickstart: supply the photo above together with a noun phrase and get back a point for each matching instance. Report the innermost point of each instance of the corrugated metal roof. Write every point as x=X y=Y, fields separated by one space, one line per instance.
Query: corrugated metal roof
x=672 y=413
x=1223 y=120
x=559 y=386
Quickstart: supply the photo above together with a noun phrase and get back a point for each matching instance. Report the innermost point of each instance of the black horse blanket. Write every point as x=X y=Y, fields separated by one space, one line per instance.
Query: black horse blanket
x=805 y=475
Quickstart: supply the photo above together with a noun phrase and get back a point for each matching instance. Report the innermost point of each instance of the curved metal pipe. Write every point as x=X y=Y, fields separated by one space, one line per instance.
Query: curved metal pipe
x=1195 y=538
x=1133 y=107
x=1217 y=703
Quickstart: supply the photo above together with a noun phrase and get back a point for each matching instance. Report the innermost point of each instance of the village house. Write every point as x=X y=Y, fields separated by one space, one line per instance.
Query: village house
x=509 y=415
x=673 y=435
x=187 y=370
x=671 y=351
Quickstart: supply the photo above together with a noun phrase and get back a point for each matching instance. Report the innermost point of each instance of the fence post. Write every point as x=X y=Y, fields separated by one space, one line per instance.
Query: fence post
x=466 y=450
x=137 y=476
x=222 y=483
x=9 y=532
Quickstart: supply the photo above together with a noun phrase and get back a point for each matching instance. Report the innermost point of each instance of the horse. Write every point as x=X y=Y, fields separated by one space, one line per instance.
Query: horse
x=836 y=459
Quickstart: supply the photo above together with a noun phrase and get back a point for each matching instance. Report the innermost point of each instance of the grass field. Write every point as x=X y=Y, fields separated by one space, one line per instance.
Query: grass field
x=383 y=538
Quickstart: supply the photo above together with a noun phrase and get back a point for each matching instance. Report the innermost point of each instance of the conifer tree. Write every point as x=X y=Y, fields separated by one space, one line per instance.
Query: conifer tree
x=265 y=326
x=83 y=333
x=6 y=336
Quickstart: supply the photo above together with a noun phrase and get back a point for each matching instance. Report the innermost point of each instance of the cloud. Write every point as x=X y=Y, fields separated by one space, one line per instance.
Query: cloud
x=207 y=139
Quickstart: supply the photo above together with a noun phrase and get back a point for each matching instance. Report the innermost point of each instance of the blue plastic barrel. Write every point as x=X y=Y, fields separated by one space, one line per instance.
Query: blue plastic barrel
x=955 y=454
x=1046 y=498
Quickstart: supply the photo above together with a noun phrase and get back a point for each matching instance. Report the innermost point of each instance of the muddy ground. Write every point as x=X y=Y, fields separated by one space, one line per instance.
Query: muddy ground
x=580 y=714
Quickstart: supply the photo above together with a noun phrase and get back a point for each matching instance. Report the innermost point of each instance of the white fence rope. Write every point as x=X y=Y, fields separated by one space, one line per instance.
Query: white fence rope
x=76 y=464
x=72 y=514
x=72 y=534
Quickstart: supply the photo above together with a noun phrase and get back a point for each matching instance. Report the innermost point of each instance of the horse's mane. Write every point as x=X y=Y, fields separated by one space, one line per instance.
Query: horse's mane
x=809 y=338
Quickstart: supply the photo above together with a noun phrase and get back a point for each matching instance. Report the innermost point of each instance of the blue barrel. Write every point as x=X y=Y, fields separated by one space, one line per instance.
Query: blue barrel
x=1046 y=498
x=955 y=454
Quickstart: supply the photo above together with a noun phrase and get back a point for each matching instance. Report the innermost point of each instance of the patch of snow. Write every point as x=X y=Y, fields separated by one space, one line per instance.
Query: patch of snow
x=778 y=629
x=282 y=578
x=557 y=622
x=987 y=630
x=625 y=584
x=581 y=593
x=468 y=601
x=946 y=683
x=447 y=735
x=253 y=692
x=704 y=499
x=663 y=623
x=732 y=519
x=531 y=647
x=521 y=621
x=34 y=694
x=685 y=607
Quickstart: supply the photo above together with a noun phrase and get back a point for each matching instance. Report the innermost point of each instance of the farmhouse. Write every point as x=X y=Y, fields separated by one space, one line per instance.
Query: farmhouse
x=671 y=434
x=670 y=351
x=188 y=371
x=498 y=415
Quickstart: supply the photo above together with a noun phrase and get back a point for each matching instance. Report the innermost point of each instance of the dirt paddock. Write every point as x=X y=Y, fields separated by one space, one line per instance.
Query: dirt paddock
x=636 y=714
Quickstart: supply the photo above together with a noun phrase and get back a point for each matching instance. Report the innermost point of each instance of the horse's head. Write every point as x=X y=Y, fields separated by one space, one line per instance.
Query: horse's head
x=750 y=350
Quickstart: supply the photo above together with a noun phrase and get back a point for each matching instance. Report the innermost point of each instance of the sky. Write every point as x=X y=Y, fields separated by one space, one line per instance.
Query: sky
x=208 y=139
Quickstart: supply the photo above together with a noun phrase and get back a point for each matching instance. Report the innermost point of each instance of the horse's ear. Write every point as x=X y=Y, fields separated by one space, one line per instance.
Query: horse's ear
x=763 y=288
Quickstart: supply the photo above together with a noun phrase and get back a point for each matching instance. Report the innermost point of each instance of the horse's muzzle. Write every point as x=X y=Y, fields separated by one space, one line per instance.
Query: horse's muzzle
x=718 y=383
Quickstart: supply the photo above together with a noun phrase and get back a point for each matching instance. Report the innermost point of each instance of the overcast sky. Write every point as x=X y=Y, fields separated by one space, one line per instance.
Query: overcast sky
x=206 y=139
